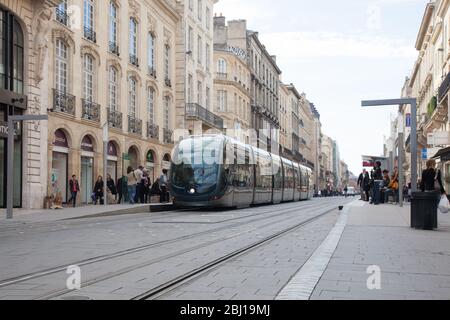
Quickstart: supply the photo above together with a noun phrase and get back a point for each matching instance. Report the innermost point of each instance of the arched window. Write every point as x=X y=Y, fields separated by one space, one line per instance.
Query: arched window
x=88 y=78
x=151 y=54
x=221 y=66
x=112 y=84
x=167 y=64
x=11 y=72
x=88 y=20
x=133 y=42
x=151 y=105
x=113 y=27
x=132 y=97
x=61 y=66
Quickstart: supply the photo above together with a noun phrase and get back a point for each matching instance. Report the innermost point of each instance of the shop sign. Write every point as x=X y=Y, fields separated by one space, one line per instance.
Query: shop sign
x=112 y=150
x=438 y=138
x=60 y=139
x=424 y=154
x=166 y=164
x=87 y=145
x=126 y=156
x=408 y=120
x=4 y=129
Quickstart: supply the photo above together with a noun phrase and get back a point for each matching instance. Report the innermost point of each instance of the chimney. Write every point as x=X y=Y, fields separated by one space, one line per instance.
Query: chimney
x=219 y=21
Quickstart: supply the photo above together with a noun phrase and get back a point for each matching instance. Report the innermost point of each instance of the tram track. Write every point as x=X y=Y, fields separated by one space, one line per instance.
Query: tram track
x=187 y=276
x=121 y=253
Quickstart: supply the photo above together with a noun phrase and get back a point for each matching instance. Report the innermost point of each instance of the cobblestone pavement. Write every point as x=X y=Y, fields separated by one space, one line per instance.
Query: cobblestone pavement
x=163 y=246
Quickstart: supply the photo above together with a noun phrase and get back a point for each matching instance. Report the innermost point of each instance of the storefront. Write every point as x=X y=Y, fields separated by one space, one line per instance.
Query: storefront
x=112 y=160
x=59 y=177
x=87 y=169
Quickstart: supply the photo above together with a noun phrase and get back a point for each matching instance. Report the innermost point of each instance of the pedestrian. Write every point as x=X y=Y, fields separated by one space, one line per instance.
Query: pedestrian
x=377 y=179
x=138 y=173
x=431 y=181
x=146 y=185
x=98 y=190
x=131 y=184
x=345 y=191
x=384 y=186
x=155 y=190
x=74 y=189
x=163 y=185
x=111 y=189
x=366 y=186
x=120 y=189
x=392 y=188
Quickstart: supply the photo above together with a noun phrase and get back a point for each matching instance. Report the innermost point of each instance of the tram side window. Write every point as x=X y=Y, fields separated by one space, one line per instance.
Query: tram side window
x=290 y=178
x=263 y=172
x=304 y=180
x=278 y=175
x=242 y=170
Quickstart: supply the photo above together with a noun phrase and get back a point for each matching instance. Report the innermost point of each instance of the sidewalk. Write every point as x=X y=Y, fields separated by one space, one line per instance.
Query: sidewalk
x=43 y=215
x=414 y=264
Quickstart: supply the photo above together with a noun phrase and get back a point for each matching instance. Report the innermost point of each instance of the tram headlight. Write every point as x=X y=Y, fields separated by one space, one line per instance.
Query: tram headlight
x=191 y=191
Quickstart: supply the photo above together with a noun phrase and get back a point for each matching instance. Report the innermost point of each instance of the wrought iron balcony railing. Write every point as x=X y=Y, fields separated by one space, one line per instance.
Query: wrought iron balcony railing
x=134 y=125
x=168 y=136
x=63 y=102
x=194 y=110
x=152 y=72
x=114 y=119
x=90 y=110
x=90 y=34
x=222 y=76
x=152 y=131
x=168 y=83
x=62 y=17
x=134 y=60
x=114 y=48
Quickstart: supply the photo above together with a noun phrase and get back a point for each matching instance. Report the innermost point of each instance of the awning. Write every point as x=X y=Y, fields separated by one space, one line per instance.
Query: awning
x=443 y=154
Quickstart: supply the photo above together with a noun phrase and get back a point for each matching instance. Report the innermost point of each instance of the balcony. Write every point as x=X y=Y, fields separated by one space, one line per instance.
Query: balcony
x=151 y=72
x=134 y=125
x=89 y=34
x=62 y=17
x=114 y=48
x=152 y=131
x=168 y=136
x=63 y=102
x=222 y=76
x=90 y=110
x=168 y=83
x=194 y=110
x=444 y=88
x=114 y=119
x=134 y=60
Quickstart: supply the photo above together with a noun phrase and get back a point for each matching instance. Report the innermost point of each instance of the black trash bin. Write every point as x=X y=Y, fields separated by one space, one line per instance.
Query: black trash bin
x=424 y=206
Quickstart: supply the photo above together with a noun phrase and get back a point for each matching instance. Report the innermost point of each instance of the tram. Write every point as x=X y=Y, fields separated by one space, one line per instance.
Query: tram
x=218 y=171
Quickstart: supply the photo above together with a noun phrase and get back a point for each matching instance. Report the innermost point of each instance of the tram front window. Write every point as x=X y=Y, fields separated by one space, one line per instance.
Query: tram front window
x=196 y=165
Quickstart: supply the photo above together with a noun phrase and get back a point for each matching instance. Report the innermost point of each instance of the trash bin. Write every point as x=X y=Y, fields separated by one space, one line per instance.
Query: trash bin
x=424 y=206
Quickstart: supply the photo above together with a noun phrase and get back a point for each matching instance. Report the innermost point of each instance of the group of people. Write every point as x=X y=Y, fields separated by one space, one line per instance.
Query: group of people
x=377 y=187
x=136 y=187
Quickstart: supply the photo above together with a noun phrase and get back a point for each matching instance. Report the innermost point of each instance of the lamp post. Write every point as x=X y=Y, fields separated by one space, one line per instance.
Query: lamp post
x=400 y=131
x=413 y=103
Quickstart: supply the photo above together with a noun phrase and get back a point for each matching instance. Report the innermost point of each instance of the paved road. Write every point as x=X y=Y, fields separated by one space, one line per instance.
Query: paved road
x=122 y=257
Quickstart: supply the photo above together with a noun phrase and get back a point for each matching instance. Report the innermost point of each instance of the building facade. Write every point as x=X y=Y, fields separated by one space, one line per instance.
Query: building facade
x=110 y=70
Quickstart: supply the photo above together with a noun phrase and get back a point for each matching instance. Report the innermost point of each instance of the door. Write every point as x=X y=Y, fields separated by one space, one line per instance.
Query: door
x=112 y=170
x=59 y=177
x=86 y=178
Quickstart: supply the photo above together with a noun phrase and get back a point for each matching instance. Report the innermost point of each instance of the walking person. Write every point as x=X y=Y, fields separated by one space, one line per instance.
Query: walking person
x=111 y=189
x=155 y=190
x=432 y=181
x=120 y=189
x=138 y=173
x=98 y=190
x=131 y=184
x=377 y=182
x=146 y=186
x=74 y=189
x=163 y=185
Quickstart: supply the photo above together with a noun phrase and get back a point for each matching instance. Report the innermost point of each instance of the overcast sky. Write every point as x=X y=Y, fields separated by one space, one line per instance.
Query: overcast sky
x=339 y=53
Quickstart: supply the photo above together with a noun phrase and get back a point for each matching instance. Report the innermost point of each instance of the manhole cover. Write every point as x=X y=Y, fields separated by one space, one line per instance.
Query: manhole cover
x=76 y=298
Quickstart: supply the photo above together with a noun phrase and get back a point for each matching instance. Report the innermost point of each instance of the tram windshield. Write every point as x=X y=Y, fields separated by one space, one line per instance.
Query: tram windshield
x=196 y=163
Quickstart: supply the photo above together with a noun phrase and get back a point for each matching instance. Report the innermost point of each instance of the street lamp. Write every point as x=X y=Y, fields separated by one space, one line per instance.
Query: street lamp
x=413 y=103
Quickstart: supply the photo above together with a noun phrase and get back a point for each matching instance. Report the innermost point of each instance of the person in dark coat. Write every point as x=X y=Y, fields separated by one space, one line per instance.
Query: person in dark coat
x=74 y=189
x=98 y=190
x=431 y=179
x=111 y=186
x=119 y=190
x=155 y=190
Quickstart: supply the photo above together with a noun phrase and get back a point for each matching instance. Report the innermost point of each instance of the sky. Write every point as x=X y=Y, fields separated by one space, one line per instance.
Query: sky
x=339 y=53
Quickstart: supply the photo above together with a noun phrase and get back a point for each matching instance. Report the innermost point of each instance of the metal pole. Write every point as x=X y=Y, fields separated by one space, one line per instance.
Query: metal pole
x=414 y=145
x=9 y=172
x=105 y=163
x=400 y=169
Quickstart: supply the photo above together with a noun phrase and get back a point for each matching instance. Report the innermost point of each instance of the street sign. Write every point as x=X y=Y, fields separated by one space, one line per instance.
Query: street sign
x=424 y=154
x=126 y=156
x=408 y=120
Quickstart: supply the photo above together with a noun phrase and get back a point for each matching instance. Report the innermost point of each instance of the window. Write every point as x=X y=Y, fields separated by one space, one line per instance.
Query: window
x=208 y=18
x=167 y=63
x=61 y=13
x=189 y=89
x=133 y=42
x=151 y=54
x=88 y=78
x=222 y=101
x=151 y=105
x=199 y=92
x=113 y=22
x=199 y=49
x=61 y=66
x=88 y=8
x=208 y=57
x=132 y=97
x=190 y=39
x=112 y=84
x=222 y=66
x=166 y=112
x=191 y=5
x=199 y=9
x=11 y=72
x=207 y=98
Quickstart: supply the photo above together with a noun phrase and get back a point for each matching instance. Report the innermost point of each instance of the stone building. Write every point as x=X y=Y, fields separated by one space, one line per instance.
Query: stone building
x=24 y=32
x=109 y=64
